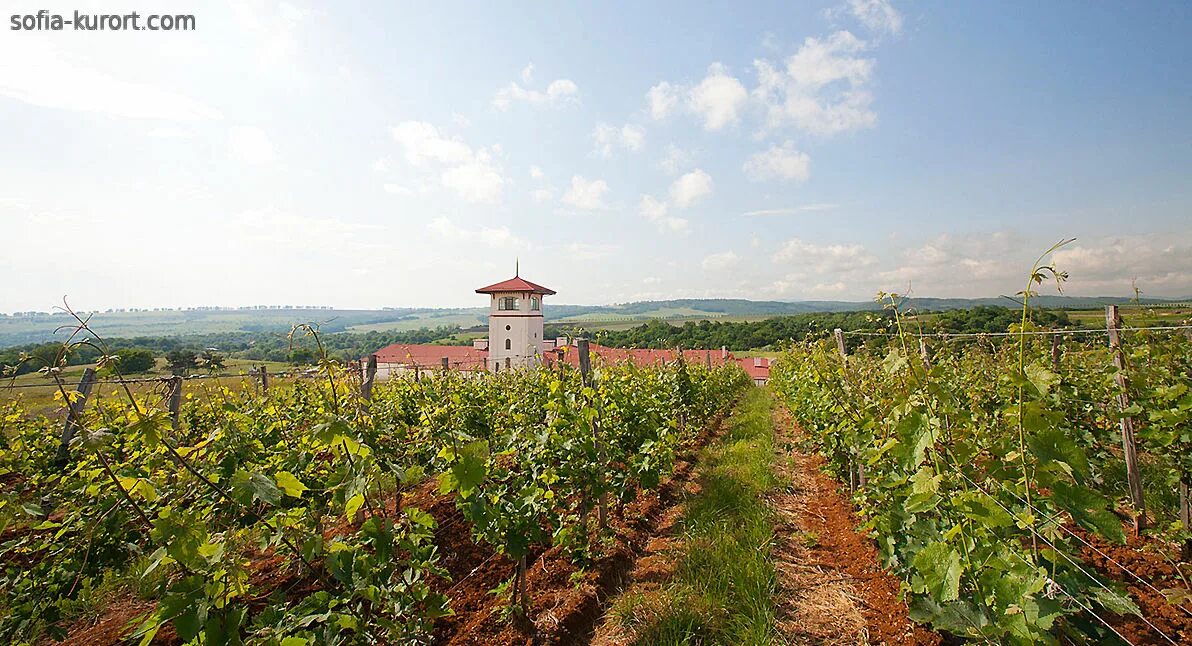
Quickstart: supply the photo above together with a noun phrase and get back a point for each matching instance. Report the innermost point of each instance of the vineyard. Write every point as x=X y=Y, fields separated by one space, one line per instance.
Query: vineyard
x=1028 y=487
x=292 y=516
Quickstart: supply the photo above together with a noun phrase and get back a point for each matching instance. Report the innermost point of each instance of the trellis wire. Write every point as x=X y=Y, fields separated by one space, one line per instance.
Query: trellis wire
x=1070 y=560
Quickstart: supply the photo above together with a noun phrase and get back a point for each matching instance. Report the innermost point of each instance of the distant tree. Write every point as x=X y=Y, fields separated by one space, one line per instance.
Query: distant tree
x=182 y=361
x=132 y=360
x=211 y=360
x=301 y=356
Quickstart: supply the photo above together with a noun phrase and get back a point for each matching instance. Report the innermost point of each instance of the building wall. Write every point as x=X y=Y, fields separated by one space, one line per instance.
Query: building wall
x=521 y=327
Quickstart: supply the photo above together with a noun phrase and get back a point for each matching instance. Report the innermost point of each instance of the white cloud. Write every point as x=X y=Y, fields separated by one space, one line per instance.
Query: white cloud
x=536 y=172
x=830 y=259
x=558 y=92
x=609 y=138
x=1161 y=264
x=500 y=237
x=398 y=189
x=476 y=181
x=662 y=99
x=657 y=212
x=822 y=89
x=171 y=132
x=717 y=98
x=676 y=158
x=878 y=16
x=250 y=145
x=791 y=210
x=66 y=79
x=470 y=173
x=542 y=195
x=586 y=251
x=586 y=194
x=779 y=162
x=423 y=143
x=720 y=261
x=691 y=188
x=274 y=31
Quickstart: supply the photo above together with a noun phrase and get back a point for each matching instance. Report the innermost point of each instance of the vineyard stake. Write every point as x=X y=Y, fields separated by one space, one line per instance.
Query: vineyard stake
x=1055 y=353
x=445 y=363
x=925 y=354
x=839 y=334
x=585 y=371
x=1129 y=451
x=370 y=375
x=264 y=379
x=74 y=409
x=175 y=403
x=861 y=480
x=1185 y=514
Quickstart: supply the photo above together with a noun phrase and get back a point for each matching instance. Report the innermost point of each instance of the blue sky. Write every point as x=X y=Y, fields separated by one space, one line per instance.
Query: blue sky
x=363 y=154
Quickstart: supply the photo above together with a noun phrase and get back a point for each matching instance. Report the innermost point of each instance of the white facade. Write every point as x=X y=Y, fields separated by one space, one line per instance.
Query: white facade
x=515 y=331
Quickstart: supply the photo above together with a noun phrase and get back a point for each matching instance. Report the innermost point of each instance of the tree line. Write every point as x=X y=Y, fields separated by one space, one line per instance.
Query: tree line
x=184 y=354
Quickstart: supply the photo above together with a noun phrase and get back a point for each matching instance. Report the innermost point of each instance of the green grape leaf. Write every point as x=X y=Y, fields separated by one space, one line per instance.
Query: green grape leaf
x=939 y=565
x=256 y=486
x=353 y=505
x=290 y=484
x=1089 y=509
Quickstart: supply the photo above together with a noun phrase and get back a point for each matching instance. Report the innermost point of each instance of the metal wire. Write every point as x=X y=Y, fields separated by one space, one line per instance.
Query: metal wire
x=1089 y=545
x=972 y=335
x=1070 y=560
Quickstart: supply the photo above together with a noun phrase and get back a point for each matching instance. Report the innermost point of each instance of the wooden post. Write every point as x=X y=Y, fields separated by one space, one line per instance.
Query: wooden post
x=708 y=359
x=1055 y=353
x=264 y=379
x=925 y=354
x=860 y=466
x=417 y=373
x=74 y=409
x=445 y=363
x=585 y=371
x=1186 y=514
x=370 y=375
x=585 y=361
x=175 y=403
x=1129 y=451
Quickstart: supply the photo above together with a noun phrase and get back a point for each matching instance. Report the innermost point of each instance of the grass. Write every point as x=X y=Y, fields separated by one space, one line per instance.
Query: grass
x=722 y=589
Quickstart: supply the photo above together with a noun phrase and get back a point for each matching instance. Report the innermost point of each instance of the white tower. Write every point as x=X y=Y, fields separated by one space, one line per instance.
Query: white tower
x=515 y=323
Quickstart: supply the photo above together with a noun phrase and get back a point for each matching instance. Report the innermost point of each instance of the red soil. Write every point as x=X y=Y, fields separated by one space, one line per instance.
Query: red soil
x=839 y=553
x=1144 y=557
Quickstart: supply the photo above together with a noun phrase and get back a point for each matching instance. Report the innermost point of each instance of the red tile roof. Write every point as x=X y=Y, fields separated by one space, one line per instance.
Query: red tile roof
x=642 y=357
x=515 y=284
x=758 y=368
x=462 y=357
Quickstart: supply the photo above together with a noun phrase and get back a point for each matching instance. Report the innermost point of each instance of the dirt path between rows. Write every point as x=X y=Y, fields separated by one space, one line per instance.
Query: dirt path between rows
x=831 y=589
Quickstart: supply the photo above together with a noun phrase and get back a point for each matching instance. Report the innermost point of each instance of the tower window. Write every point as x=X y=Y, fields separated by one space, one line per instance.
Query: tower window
x=535 y=304
x=508 y=303
x=508 y=344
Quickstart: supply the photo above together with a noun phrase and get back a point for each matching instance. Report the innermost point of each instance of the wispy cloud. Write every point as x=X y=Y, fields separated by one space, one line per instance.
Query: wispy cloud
x=791 y=210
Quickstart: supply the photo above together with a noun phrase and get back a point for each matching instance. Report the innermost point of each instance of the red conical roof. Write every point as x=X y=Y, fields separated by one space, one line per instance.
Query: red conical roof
x=515 y=284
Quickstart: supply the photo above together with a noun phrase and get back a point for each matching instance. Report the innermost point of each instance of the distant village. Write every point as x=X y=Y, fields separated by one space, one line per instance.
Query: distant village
x=516 y=340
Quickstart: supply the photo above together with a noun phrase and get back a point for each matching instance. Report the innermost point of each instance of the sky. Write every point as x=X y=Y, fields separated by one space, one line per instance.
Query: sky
x=382 y=154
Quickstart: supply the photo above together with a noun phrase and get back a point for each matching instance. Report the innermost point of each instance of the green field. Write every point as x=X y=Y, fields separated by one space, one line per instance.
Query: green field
x=40 y=395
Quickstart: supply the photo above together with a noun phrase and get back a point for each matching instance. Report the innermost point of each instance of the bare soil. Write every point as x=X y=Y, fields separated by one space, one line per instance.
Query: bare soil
x=831 y=589
x=1169 y=609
